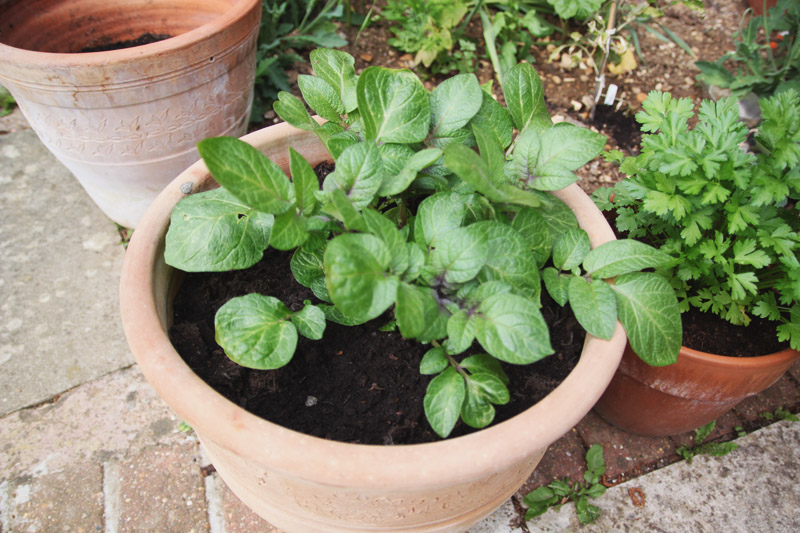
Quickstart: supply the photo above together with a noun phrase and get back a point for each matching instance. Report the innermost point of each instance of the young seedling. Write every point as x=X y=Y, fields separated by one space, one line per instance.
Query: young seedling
x=701 y=447
x=780 y=414
x=560 y=492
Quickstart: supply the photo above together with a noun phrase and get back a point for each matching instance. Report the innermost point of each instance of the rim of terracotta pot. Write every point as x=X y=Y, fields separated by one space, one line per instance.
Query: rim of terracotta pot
x=755 y=361
x=237 y=12
x=333 y=462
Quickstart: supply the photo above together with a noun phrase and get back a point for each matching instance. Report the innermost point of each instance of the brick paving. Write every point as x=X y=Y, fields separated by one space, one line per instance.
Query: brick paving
x=109 y=456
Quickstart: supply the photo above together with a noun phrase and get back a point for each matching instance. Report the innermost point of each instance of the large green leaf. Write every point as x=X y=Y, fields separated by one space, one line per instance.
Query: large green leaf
x=512 y=329
x=533 y=227
x=288 y=231
x=437 y=215
x=395 y=184
x=359 y=172
x=443 y=400
x=255 y=331
x=569 y=147
x=493 y=118
x=212 y=231
x=416 y=309
x=454 y=102
x=525 y=98
x=557 y=284
x=460 y=331
x=509 y=261
x=460 y=254
x=356 y=273
x=321 y=97
x=594 y=306
x=337 y=68
x=292 y=110
x=649 y=311
x=622 y=256
x=247 y=174
x=570 y=249
x=394 y=105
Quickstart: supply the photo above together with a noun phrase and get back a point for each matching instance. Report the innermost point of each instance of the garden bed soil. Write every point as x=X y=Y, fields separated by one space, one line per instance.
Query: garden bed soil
x=358 y=384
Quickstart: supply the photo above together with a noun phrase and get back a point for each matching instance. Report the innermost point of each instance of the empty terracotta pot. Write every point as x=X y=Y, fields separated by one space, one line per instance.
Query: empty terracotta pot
x=699 y=388
x=305 y=484
x=126 y=121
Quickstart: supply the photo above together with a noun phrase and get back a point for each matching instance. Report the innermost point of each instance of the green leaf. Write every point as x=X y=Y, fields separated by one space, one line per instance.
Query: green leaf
x=292 y=110
x=288 y=231
x=337 y=68
x=512 y=329
x=255 y=331
x=383 y=228
x=559 y=217
x=557 y=285
x=212 y=231
x=437 y=215
x=310 y=322
x=433 y=362
x=306 y=264
x=485 y=364
x=525 y=98
x=356 y=275
x=460 y=253
x=595 y=464
x=594 y=306
x=533 y=227
x=416 y=309
x=568 y=146
x=570 y=249
x=443 y=400
x=508 y=261
x=649 y=311
x=493 y=118
x=460 y=332
x=394 y=105
x=454 y=102
x=713 y=74
x=476 y=411
x=395 y=184
x=247 y=174
x=359 y=172
x=343 y=209
x=614 y=258
x=304 y=180
x=321 y=97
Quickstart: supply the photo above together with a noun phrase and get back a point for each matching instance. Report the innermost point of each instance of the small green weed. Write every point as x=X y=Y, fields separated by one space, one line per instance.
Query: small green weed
x=701 y=447
x=561 y=491
x=7 y=102
x=780 y=414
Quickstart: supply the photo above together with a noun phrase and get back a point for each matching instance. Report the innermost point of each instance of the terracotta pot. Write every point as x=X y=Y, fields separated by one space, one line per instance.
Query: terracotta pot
x=126 y=122
x=307 y=484
x=699 y=388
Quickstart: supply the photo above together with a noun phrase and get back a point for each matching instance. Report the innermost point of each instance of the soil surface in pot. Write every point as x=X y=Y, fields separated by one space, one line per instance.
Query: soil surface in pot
x=358 y=384
x=711 y=334
x=145 y=38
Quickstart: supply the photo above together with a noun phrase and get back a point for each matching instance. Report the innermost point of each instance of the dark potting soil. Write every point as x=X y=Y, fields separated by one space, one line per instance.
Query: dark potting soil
x=709 y=333
x=145 y=38
x=621 y=126
x=357 y=384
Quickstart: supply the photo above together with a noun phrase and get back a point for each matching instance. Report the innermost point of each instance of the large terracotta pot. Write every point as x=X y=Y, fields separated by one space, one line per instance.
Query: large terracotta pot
x=307 y=484
x=126 y=122
x=699 y=388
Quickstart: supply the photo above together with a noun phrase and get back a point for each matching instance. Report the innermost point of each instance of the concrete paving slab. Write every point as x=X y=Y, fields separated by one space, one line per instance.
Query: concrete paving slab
x=59 y=279
x=754 y=488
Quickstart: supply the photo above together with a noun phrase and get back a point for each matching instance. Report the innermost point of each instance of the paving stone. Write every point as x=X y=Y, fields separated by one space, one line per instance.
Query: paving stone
x=784 y=393
x=59 y=277
x=239 y=518
x=564 y=458
x=66 y=501
x=625 y=454
x=116 y=414
x=162 y=489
